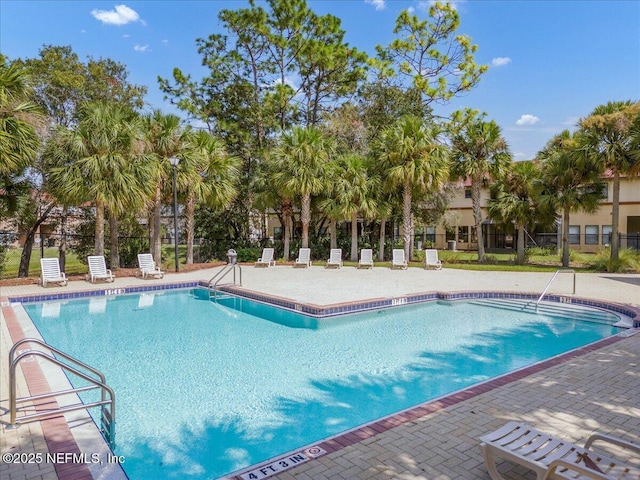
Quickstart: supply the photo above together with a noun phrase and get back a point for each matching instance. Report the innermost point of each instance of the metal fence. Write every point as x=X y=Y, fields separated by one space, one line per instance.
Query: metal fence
x=209 y=249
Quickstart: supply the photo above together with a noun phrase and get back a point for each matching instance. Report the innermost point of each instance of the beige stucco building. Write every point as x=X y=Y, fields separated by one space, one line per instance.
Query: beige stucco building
x=588 y=232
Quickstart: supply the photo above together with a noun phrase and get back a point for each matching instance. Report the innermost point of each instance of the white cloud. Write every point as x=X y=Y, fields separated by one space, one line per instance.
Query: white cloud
x=379 y=4
x=411 y=10
x=141 y=48
x=425 y=5
x=165 y=42
x=500 y=61
x=126 y=35
x=527 y=120
x=120 y=16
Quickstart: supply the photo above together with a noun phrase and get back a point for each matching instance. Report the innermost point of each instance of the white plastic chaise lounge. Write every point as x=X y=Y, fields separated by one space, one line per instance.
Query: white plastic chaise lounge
x=366 y=258
x=553 y=458
x=147 y=266
x=50 y=272
x=98 y=269
x=431 y=259
x=398 y=261
x=304 y=258
x=335 y=258
x=266 y=260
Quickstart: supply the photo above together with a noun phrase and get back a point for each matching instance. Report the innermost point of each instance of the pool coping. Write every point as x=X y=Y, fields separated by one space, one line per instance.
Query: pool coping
x=357 y=434
x=323 y=311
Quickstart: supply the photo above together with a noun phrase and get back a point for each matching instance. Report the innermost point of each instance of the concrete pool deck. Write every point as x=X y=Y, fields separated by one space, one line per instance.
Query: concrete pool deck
x=594 y=390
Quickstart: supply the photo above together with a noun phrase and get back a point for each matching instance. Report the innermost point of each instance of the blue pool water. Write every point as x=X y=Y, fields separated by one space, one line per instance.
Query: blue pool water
x=203 y=390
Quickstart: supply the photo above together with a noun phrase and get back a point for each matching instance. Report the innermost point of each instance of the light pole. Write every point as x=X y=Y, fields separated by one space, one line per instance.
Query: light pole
x=174 y=163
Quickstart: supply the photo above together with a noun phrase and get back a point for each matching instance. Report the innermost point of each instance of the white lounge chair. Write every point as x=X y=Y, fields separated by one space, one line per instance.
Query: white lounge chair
x=304 y=258
x=366 y=258
x=431 y=259
x=398 y=261
x=335 y=258
x=50 y=272
x=98 y=269
x=266 y=260
x=147 y=266
x=554 y=458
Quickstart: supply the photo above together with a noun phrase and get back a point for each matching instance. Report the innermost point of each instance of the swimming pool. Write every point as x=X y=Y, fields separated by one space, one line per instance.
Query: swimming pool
x=204 y=390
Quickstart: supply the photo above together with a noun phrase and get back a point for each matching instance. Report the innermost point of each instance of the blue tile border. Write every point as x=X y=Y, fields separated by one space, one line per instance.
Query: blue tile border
x=101 y=292
x=361 y=306
x=319 y=311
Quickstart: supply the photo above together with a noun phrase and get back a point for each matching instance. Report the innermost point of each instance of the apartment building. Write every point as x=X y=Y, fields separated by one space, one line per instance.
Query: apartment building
x=587 y=232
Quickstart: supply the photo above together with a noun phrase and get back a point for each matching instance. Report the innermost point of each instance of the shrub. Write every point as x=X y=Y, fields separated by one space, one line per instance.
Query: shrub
x=248 y=254
x=628 y=261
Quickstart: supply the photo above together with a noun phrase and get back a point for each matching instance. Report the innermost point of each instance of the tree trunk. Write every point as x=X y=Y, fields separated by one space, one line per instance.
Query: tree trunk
x=520 y=246
x=406 y=219
x=151 y=227
x=354 y=237
x=615 y=217
x=383 y=227
x=565 y=237
x=62 y=249
x=286 y=215
x=25 y=258
x=113 y=237
x=99 y=241
x=189 y=223
x=476 y=188
x=156 y=241
x=305 y=218
x=332 y=234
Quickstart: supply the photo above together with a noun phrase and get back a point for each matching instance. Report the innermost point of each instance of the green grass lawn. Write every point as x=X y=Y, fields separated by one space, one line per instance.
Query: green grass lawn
x=459 y=260
x=73 y=265
x=11 y=263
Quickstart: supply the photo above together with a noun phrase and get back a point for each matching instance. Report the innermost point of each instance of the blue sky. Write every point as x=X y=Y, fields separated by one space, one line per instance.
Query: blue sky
x=551 y=62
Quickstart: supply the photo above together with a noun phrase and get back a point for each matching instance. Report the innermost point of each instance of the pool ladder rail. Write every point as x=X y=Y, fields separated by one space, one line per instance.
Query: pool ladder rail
x=555 y=275
x=215 y=280
x=107 y=402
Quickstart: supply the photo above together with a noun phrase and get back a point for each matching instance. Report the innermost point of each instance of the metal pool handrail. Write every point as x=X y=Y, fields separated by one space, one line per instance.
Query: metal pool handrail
x=213 y=282
x=107 y=415
x=562 y=270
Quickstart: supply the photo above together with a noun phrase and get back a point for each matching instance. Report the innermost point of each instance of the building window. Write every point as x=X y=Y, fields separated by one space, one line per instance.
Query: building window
x=463 y=234
x=277 y=233
x=574 y=234
x=451 y=233
x=467 y=193
x=431 y=234
x=606 y=234
x=591 y=235
x=605 y=191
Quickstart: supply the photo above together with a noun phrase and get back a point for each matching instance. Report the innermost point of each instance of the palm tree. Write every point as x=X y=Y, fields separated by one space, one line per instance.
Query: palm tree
x=351 y=193
x=101 y=160
x=19 y=142
x=301 y=161
x=612 y=139
x=414 y=159
x=569 y=182
x=479 y=152
x=207 y=174
x=513 y=199
x=19 y=117
x=165 y=139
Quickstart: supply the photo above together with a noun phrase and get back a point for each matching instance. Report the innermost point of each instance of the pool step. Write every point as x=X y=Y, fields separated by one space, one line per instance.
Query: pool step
x=563 y=310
